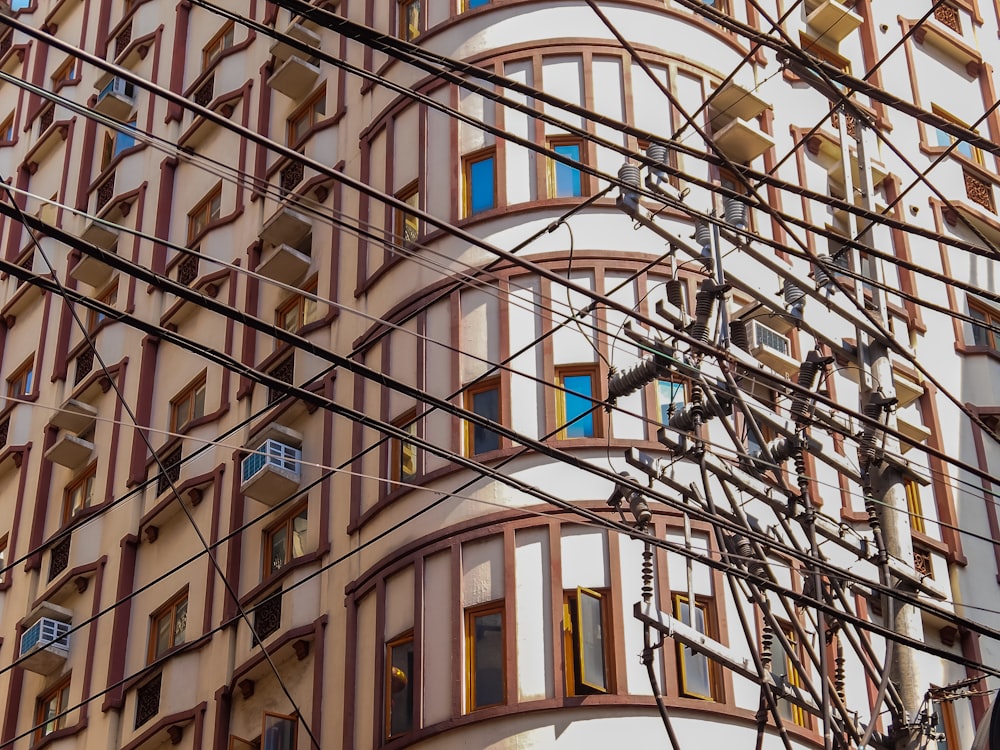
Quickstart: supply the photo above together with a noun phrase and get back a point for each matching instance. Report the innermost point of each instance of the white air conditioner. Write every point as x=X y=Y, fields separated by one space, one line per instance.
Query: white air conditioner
x=271 y=472
x=116 y=98
x=772 y=348
x=45 y=645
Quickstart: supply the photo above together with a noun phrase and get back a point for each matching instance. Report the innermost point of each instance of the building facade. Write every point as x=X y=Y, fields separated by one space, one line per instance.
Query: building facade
x=304 y=440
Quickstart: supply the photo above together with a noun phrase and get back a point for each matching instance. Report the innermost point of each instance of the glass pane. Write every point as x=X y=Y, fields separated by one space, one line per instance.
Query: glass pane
x=180 y=622
x=667 y=393
x=488 y=660
x=476 y=3
x=567 y=179
x=486 y=404
x=481 y=185
x=943 y=139
x=591 y=640
x=199 y=403
x=412 y=19
x=579 y=414
x=965 y=149
x=696 y=671
x=408 y=457
x=980 y=334
x=279 y=733
x=162 y=635
x=279 y=549
x=400 y=688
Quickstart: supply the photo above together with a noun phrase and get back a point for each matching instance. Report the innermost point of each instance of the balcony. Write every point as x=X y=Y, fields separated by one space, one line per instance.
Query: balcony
x=74 y=416
x=295 y=75
x=284 y=264
x=273 y=471
x=742 y=141
x=733 y=100
x=285 y=227
x=71 y=451
x=45 y=640
x=116 y=98
x=831 y=21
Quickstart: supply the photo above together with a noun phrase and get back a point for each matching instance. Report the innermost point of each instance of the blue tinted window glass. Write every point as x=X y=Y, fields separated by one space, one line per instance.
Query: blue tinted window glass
x=567 y=179
x=943 y=139
x=124 y=140
x=470 y=4
x=668 y=392
x=579 y=405
x=481 y=185
x=486 y=404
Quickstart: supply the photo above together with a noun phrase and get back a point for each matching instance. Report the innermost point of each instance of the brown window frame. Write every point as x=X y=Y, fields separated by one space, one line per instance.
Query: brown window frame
x=107 y=296
x=551 y=165
x=475 y=157
x=305 y=309
x=573 y=653
x=224 y=39
x=207 y=211
x=22 y=382
x=706 y=605
x=990 y=317
x=87 y=476
x=471 y=614
x=575 y=370
x=302 y=121
x=391 y=683
x=60 y=694
x=286 y=524
x=167 y=610
x=398 y=449
x=403 y=220
x=8 y=127
x=976 y=157
x=67 y=74
x=403 y=27
x=796 y=714
x=189 y=395
x=486 y=384
x=4 y=545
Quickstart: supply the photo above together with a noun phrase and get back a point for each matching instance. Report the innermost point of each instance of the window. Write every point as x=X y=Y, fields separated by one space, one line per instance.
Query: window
x=107 y=297
x=409 y=19
x=565 y=181
x=479 y=181
x=19 y=4
x=305 y=117
x=4 y=541
x=7 y=129
x=484 y=656
x=985 y=321
x=209 y=209
x=669 y=394
x=65 y=73
x=51 y=705
x=813 y=47
x=188 y=405
x=167 y=627
x=116 y=141
x=298 y=310
x=913 y=506
x=403 y=453
x=22 y=381
x=219 y=43
x=586 y=646
x=944 y=140
x=483 y=399
x=280 y=732
x=399 y=686
x=783 y=667
x=79 y=494
x=472 y=4
x=285 y=541
x=576 y=411
x=696 y=678
x=406 y=226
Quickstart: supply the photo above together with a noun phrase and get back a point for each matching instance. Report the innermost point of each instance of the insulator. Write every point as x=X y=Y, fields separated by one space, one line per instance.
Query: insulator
x=839 y=673
x=633 y=378
x=743 y=548
x=808 y=371
x=703 y=235
x=781 y=449
x=739 y=336
x=700 y=331
x=870 y=434
x=735 y=212
x=683 y=419
x=819 y=271
x=704 y=303
x=766 y=639
x=800 y=474
x=629 y=175
x=657 y=152
x=793 y=293
x=647 y=573
x=639 y=509
x=675 y=293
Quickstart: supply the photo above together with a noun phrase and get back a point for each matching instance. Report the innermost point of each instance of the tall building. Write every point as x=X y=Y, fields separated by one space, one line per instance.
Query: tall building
x=329 y=333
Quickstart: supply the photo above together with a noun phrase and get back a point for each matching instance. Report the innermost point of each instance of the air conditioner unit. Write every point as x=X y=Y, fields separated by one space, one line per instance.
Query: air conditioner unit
x=45 y=645
x=772 y=348
x=271 y=472
x=116 y=98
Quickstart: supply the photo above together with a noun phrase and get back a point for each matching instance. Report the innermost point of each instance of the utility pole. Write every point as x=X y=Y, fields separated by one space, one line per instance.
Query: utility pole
x=883 y=476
